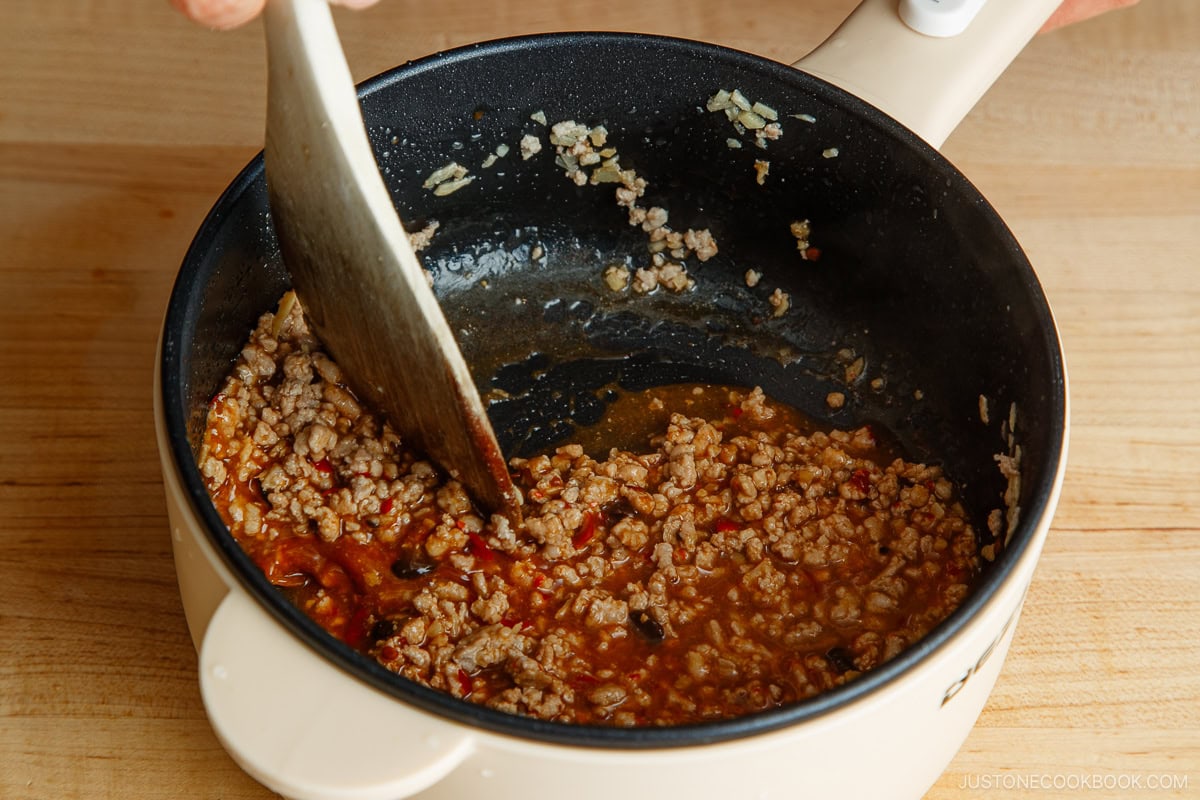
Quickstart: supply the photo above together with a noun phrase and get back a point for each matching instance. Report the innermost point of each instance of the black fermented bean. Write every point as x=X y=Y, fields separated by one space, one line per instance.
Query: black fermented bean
x=412 y=564
x=382 y=629
x=648 y=626
x=841 y=659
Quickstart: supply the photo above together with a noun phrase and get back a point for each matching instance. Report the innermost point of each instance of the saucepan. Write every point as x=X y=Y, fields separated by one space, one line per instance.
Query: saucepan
x=897 y=260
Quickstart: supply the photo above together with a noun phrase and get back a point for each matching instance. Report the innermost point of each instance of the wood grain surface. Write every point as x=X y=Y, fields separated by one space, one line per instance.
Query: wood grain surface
x=120 y=123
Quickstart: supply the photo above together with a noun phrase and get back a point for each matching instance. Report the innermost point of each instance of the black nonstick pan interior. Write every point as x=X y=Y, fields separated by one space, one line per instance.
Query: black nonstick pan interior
x=917 y=274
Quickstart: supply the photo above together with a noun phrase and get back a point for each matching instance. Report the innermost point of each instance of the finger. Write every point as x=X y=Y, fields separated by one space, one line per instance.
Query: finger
x=1072 y=11
x=220 y=14
x=354 y=3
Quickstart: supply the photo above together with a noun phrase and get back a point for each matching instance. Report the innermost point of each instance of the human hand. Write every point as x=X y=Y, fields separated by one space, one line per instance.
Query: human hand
x=1072 y=11
x=225 y=14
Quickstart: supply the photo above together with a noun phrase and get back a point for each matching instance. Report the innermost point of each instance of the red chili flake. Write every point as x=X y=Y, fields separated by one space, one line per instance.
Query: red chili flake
x=386 y=506
x=861 y=480
x=726 y=525
x=388 y=653
x=586 y=531
x=735 y=411
x=538 y=580
x=323 y=466
x=812 y=254
x=464 y=682
x=537 y=494
x=356 y=629
x=329 y=491
x=479 y=547
x=583 y=681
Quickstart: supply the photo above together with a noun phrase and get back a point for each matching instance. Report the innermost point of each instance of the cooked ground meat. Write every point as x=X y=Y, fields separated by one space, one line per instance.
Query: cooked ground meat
x=739 y=561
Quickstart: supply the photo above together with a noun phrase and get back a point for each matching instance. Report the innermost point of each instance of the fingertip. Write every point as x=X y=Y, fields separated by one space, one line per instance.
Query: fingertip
x=220 y=14
x=1070 y=12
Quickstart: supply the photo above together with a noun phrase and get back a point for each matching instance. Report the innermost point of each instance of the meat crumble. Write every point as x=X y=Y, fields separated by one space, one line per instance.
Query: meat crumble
x=738 y=561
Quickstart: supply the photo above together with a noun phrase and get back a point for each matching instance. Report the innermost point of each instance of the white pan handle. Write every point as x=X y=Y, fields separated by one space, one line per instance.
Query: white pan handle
x=926 y=82
x=299 y=727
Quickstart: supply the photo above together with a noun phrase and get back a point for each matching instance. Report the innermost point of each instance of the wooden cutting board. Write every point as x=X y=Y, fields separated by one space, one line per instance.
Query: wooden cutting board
x=120 y=124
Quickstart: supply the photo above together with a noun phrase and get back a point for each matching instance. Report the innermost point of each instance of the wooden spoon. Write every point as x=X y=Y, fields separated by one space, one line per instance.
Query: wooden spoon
x=352 y=266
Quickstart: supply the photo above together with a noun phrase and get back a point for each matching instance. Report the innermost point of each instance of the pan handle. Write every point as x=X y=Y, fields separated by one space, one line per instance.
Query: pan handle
x=309 y=734
x=927 y=83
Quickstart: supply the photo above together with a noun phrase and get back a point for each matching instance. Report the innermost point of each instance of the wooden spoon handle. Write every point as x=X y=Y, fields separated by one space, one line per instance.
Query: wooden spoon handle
x=351 y=263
